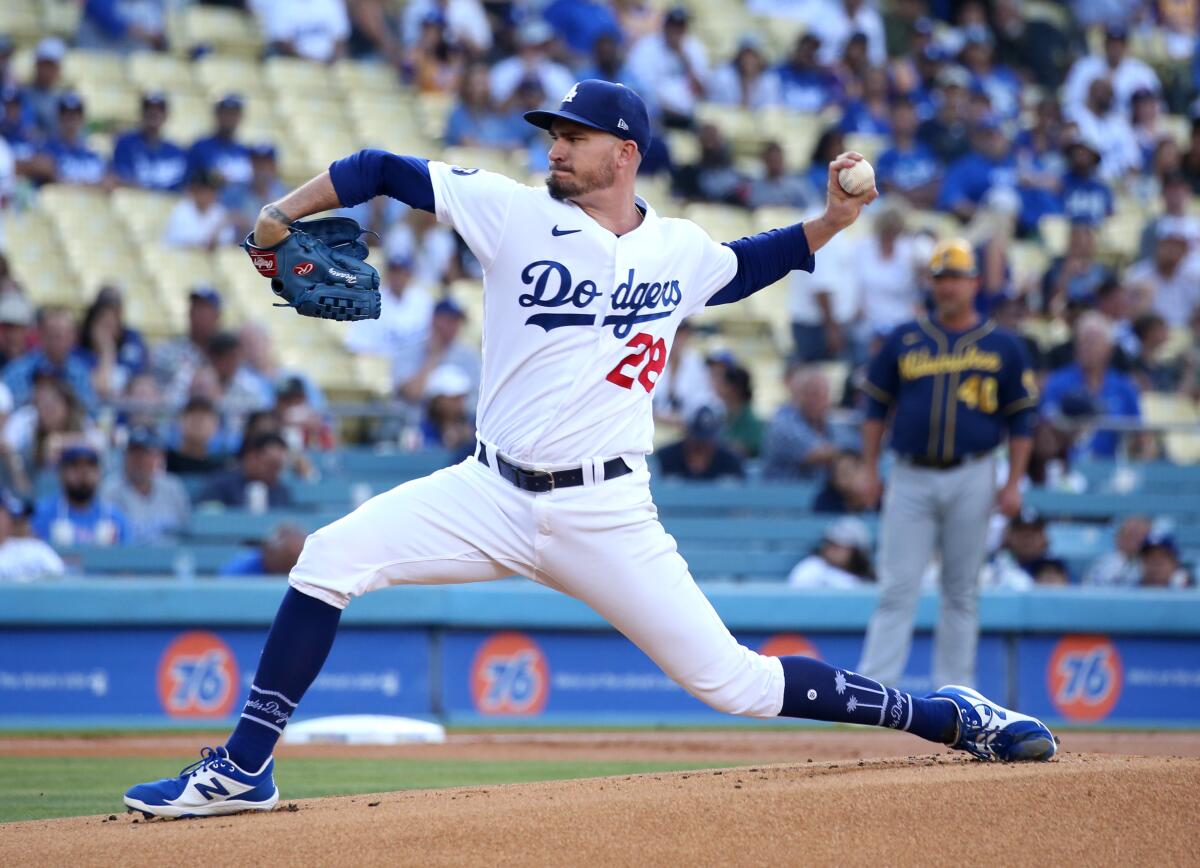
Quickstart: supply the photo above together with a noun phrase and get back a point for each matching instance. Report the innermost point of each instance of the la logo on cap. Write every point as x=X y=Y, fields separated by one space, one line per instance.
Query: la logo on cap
x=571 y=93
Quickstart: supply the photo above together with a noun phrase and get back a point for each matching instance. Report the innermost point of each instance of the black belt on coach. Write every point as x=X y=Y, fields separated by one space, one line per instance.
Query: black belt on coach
x=546 y=480
x=940 y=464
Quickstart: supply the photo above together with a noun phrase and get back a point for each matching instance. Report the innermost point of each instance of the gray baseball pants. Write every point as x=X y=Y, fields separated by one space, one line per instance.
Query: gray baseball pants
x=927 y=511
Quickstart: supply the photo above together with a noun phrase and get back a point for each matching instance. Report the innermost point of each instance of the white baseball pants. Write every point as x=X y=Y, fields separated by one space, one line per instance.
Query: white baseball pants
x=600 y=542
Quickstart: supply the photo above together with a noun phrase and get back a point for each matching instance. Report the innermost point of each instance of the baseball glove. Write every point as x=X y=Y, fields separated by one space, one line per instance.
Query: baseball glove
x=320 y=270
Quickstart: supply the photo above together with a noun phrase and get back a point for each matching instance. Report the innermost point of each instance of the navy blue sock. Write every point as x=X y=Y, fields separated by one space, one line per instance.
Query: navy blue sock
x=818 y=691
x=295 y=651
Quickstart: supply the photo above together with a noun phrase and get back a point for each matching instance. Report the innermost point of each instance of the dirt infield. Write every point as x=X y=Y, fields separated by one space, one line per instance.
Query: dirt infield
x=874 y=804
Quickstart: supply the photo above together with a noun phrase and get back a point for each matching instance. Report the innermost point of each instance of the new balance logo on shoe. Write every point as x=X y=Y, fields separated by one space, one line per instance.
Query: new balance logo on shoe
x=212 y=788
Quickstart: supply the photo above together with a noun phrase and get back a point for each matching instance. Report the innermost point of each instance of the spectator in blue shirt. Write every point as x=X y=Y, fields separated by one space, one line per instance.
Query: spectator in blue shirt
x=122 y=25
x=1085 y=197
x=579 y=23
x=1092 y=387
x=908 y=168
x=1001 y=85
x=745 y=80
x=78 y=515
x=113 y=352
x=947 y=133
x=700 y=455
x=23 y=138
x=143 y=158
x=56 y=356
x=805 y=84
x=74 y=161
x=607 y=62
x=244 y=201
x=868 y=113
x=1041 y=164
x=831 y=143
x=802 y=441
x=221 y=152
x=40 y=95
x=1076 y=276
x=477 y=121
x=275 y=557
x=990 y=164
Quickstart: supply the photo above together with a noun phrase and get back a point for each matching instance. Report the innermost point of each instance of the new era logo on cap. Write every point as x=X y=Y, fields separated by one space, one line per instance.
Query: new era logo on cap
x=621 y=125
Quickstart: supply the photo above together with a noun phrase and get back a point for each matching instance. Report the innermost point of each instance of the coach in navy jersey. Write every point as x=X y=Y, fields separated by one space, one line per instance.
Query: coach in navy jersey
x=955 y=386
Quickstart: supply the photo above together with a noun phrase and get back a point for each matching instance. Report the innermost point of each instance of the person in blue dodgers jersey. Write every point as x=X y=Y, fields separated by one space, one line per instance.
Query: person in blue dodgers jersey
x=584 y=288
x=955 y=386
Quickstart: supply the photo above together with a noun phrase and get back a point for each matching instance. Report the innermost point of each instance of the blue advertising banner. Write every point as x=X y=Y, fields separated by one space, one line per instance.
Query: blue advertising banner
x=1097 y=678
x=198 y=675
x=566 y=675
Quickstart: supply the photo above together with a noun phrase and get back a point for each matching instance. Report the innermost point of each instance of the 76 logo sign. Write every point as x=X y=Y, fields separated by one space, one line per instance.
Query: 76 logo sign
x=644 y=365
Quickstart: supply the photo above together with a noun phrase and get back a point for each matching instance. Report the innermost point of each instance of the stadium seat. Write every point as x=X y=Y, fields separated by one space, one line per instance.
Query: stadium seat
x=1121 y=235
x=151 y=70
x=190 y=116
x=225 y=31
x=721 y=222
x=20 y=20
x=34 y=251
x=1182 y=447
x=220 y=75
x=870 y=145
x=94 y=68
x=1054 y=229
x=434 y=109
x=366 y=77
x=109 y=106
x=144 y=212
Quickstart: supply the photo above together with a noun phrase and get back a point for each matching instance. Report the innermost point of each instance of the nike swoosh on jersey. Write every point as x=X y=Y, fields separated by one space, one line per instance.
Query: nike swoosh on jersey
x=556 y=232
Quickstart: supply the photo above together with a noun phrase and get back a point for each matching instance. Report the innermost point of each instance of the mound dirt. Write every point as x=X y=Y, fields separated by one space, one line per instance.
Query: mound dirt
x=918 y=810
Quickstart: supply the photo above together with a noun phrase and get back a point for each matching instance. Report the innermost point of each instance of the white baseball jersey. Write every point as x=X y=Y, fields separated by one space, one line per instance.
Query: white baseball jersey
x=578 y=322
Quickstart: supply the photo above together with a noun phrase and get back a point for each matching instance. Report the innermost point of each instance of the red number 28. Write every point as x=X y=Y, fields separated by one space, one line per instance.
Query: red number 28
x=650 y=354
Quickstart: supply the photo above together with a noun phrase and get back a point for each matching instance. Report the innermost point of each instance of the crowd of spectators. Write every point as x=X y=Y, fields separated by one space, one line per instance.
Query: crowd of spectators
x=999 y=121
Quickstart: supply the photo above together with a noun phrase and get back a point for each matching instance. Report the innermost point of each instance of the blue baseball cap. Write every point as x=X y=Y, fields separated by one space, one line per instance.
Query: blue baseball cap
x=601 y=105
x=450 y=306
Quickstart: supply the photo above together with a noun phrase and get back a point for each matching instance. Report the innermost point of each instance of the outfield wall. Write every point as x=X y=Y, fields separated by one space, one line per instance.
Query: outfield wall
x=153 y=653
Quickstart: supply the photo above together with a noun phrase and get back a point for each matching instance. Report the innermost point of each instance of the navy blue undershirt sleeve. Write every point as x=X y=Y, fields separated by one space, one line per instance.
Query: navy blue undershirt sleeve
x=764 y=259
x=372 y=172
x=1020 y=424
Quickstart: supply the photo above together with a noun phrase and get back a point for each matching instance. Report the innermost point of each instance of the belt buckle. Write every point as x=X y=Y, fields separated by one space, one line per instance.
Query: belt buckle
x=539 y=474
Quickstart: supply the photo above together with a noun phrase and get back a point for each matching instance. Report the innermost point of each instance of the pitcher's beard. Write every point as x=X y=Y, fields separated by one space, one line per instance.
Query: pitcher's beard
x=577 y=184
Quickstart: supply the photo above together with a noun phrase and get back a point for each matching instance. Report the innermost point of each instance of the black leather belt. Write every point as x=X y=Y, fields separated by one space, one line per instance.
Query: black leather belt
x=545 y=480
x=940 y=464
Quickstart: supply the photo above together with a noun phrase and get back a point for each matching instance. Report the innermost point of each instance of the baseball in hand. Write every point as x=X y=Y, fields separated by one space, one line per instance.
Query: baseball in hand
x=858 y=179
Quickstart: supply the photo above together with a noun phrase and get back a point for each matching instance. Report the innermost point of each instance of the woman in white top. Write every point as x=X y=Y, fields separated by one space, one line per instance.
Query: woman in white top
x=842 y=561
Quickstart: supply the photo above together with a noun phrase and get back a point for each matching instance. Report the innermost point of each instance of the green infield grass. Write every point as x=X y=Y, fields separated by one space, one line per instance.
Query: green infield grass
x=34 y=788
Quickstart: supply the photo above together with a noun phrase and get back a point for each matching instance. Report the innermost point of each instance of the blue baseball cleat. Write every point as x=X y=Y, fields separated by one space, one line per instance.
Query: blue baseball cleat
x=211 y=786
x=990 y=732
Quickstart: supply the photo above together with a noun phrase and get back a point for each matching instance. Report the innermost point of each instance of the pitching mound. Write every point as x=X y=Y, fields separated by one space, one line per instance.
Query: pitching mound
x=926 y=810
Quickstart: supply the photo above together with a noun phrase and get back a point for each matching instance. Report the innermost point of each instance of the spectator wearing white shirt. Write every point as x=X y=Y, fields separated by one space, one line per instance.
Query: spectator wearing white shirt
x=23 y=558
x=429 y=244
x=684 y=386
x=1121 y=568
x=404 y=316
x=1106 y=128
x=198 y=219
x=466 y=22
x=1168 y=283
x=310 y=29
x=825 y=306
x=884 y=265
x=532 y=61
x=745 y=80
x=835 y=21
x=673 y=67
x=1127 y=74
x=842 y=561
